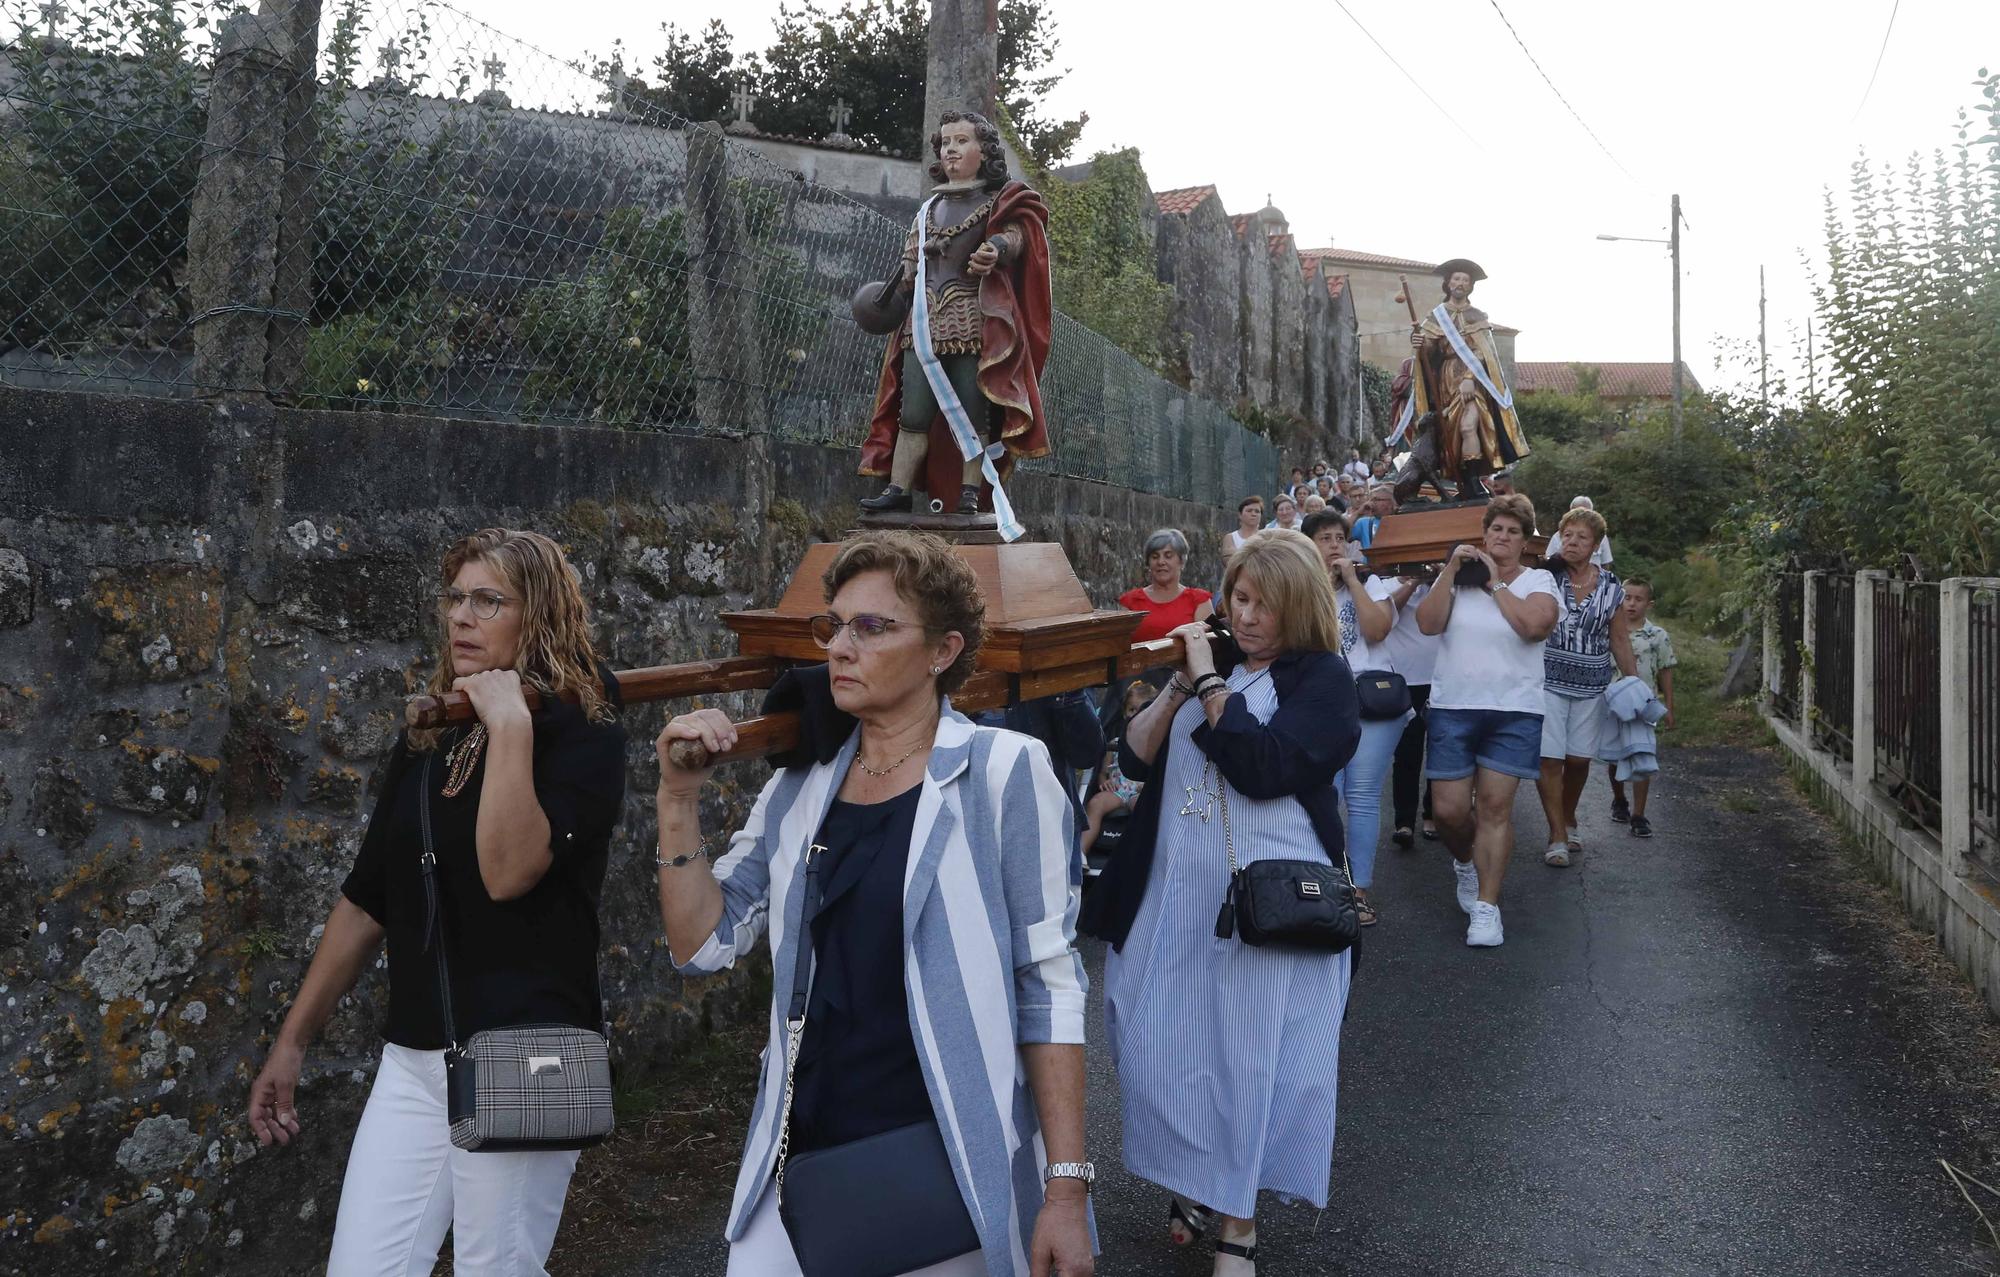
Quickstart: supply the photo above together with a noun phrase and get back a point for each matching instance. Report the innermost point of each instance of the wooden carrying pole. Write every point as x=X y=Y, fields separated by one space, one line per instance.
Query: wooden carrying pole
x=770 y=734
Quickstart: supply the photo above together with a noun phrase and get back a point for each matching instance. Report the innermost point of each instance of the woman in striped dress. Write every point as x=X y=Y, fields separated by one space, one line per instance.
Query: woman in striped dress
x=1591 y=635
x=1227 y=1055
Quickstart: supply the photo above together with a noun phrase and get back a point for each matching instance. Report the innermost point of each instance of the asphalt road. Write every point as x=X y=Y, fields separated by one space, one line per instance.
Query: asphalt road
x=1679 y=1063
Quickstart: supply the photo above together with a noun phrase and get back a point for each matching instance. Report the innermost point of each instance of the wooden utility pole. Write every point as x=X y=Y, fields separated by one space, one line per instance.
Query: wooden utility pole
x=1763 y=349
x=1674 y=243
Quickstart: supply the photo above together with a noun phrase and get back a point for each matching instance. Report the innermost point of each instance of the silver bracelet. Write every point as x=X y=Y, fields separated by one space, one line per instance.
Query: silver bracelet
x=675 y=862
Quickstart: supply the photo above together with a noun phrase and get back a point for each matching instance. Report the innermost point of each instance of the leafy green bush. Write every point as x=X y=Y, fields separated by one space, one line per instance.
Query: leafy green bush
x=1101 y=256
x=376 y=359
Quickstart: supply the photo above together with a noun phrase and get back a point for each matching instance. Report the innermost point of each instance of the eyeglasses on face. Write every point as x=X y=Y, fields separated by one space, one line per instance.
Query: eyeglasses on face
x=486 y=604
x=866 y=629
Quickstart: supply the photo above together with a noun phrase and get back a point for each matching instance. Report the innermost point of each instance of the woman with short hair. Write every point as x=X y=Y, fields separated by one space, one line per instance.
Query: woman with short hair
x=1284 y=513
x=1228 y=1055
x=1249 y=522
x=1165 y=601
x=1485 y=716
x=1591 y=634
x=935 y=1009
x=521 y=805
x=1365 y=604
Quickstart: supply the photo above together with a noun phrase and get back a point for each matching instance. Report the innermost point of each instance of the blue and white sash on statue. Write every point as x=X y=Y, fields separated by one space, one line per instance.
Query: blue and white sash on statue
x=970 y=446
x=1473 y=363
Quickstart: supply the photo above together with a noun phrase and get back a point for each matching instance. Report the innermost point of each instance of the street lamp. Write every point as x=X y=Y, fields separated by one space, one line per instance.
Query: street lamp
x=1673 y=243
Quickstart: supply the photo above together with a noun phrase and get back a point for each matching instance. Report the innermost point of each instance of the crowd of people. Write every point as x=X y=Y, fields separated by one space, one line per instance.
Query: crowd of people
x=919 y=878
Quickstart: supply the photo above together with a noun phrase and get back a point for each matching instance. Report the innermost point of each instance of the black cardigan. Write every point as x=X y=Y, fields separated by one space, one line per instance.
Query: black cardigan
x=1299 y=752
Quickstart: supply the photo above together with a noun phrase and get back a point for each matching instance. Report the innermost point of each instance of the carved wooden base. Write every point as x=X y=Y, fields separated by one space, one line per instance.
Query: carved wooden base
x=964 y=529
x=1427 y=535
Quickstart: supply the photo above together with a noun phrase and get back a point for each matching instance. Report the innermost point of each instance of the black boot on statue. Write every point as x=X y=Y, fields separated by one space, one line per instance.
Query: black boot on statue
x=892 y=498
x=1469 y=486
x=968 y=500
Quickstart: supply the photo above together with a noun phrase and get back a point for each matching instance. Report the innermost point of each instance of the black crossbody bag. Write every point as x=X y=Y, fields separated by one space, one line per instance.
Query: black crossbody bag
x=520 y=1088
x=874 y=1207
x=1382 y=694
x=1299 y=904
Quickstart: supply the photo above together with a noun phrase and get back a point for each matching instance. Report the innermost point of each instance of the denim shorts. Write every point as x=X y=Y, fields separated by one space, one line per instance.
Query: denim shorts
x=1458 y=740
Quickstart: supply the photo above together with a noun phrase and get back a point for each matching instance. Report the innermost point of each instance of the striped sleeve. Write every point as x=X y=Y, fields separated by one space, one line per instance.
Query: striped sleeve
x=744 y=874
x=1036 y=841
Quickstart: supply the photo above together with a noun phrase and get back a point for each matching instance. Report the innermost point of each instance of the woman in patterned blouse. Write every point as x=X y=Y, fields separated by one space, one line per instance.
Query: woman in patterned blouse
x=1590 y=634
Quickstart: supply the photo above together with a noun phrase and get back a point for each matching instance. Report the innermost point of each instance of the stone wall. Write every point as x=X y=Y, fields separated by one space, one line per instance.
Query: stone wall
x=208 y=618
x=1196 y=253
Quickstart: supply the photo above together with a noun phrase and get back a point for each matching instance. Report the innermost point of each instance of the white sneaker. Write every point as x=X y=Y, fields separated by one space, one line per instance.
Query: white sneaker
x=1557 y=855
x=1468 y=885
x=1485 y=929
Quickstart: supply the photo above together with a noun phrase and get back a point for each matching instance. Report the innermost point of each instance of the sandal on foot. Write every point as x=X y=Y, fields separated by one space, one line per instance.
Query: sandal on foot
x=1248 y=1253
x=1181 y=1216
x=1430 y=831
x=1403 y=837
x=1363 y=909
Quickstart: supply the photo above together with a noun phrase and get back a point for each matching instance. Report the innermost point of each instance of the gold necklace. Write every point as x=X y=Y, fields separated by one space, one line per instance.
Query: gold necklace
x=891 y=767
x=463 y=757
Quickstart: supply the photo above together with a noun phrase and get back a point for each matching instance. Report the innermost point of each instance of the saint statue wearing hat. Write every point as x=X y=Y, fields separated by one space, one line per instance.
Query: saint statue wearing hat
x=1456 y=373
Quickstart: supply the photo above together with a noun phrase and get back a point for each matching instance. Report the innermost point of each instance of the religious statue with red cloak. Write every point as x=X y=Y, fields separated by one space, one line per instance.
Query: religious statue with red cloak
x=959 y=400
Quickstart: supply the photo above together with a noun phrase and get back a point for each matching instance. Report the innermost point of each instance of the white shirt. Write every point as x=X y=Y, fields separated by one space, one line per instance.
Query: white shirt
x=1359 y=469
x=1360 y=654
x=1481 y=662
x=1237 y=540
x=1411 y=652
x=1601 y=556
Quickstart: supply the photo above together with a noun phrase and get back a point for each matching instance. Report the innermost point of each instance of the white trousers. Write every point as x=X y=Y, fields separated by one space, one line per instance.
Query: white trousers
x=766 y=1250
x=407 y=1184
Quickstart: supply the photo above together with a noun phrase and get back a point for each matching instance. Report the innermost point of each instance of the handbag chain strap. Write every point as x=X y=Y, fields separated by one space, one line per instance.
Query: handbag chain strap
x=433 y=911
x=795 y=1016
x=1229 y=839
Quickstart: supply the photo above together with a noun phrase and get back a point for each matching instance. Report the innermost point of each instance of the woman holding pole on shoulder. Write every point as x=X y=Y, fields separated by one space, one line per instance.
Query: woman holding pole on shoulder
x=508 y=820
x=918 y=893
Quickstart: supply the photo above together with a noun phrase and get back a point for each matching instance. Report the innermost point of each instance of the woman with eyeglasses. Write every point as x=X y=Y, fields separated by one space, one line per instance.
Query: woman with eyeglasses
x=522 y=806
x=933 y=1013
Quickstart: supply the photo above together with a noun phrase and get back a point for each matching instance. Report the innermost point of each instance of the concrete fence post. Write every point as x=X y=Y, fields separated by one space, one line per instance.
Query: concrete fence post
x=250 y=225
x=1773 y=660
x=1810 y=627
x=1864 y=674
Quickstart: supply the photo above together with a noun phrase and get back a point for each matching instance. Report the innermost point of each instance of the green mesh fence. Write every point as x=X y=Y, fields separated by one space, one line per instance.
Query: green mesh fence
x=496 y=233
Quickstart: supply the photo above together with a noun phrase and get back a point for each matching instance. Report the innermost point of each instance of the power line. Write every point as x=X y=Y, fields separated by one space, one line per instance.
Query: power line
x=1878 y=60
x=1407 y=76
x=1558 y=92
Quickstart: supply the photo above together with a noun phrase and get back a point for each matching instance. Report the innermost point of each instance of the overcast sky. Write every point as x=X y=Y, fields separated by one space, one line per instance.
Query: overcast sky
x=1747 y=108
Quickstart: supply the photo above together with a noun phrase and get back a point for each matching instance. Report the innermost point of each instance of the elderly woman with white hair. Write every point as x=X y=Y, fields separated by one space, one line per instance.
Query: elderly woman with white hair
x=1165 y=601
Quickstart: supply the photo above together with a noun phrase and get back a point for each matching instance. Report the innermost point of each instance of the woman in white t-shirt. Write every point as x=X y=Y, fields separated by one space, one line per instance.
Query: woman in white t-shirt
x=1413 y=654
x=1366 y=617
x=1485 y=713
x=1249 y=522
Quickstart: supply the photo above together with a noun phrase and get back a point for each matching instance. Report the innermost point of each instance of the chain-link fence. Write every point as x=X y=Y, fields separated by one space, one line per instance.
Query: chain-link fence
x=460 y=223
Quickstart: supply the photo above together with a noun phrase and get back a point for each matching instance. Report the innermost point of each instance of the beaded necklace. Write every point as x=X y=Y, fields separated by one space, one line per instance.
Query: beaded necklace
x=462 y=759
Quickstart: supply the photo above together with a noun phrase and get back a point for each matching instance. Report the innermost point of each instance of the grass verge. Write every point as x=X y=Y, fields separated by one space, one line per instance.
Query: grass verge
x=1702 y=717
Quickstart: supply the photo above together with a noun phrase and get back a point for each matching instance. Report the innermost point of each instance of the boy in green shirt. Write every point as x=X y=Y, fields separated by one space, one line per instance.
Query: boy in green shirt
x=1653 y=653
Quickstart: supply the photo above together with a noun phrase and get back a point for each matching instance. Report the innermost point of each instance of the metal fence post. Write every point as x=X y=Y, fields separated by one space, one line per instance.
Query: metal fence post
x=250 y=225
x=1809 y=625
x=1865 y=681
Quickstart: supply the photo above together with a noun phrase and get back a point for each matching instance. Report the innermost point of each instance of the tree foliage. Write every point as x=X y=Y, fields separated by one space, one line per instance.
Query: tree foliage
x=871 y=54
x=1901 y=453
x=1101 y=255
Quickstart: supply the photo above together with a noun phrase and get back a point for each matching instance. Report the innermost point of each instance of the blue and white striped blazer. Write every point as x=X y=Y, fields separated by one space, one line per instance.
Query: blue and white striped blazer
x=989 y=932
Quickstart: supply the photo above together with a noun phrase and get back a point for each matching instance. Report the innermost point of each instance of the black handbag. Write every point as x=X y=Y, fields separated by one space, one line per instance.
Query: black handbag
x=1383 y=695
x=1297 y=904
x=524 y=1087
x=874 y=1207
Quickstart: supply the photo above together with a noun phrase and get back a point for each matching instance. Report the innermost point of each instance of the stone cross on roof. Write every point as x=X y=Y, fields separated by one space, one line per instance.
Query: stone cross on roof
x=53 y=11
x=495 y=70
x=741 y=103
x=840 y=115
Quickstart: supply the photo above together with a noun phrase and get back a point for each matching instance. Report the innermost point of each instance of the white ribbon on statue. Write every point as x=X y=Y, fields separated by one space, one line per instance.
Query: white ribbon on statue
x=970 y=446
x=1473 y=363
x=1403 y=422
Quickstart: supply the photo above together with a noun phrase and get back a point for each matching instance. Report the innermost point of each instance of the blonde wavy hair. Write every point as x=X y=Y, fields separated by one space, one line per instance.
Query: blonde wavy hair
x=556 y=654
x=1291 y=579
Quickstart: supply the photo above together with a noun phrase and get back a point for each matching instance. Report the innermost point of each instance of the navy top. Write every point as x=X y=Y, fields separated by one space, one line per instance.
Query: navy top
x=858 y=1073
x=1299 y=752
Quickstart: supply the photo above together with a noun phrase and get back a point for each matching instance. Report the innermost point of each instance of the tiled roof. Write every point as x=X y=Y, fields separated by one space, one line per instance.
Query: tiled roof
x=1349 y=257
x=1281 y=244
x=1617 y=381
x=1237 y=221
x=1184 y=199
x=1335 y=286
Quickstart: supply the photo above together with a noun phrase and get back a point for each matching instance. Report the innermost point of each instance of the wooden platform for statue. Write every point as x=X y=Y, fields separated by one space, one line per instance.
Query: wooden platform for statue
x=960 y=529
x=1421 y=538
x=1042 y=634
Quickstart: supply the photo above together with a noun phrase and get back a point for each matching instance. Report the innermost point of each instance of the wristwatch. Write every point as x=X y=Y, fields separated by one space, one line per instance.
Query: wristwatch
x=1084 y=1171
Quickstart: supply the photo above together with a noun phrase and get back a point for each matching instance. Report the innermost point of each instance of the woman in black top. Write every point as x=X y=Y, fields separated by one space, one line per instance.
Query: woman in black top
x=522 y=809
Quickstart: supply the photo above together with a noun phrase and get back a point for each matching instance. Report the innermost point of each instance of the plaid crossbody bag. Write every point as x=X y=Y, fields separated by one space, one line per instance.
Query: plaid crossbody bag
x=524 y=1087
